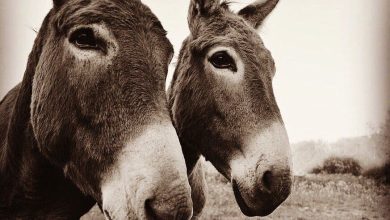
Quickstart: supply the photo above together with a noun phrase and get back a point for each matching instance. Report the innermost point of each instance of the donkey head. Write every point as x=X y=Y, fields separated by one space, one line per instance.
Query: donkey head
x=223 y=106
x=99 y=112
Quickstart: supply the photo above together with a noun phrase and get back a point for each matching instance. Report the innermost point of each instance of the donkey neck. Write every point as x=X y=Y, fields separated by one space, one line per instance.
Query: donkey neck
x=30 y=186
x=191 y=156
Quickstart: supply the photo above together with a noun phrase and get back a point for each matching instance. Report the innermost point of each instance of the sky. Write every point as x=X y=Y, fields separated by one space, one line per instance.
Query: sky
x=333 y=74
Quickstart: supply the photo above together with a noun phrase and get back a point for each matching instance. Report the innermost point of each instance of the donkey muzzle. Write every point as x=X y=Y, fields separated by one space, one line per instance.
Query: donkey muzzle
x=149 y=179
x=272 y=188
x=261 y=177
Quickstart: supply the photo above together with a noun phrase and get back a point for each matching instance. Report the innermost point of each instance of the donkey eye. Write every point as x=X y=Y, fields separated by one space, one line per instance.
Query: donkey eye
x=222 y=60
x=84 y=38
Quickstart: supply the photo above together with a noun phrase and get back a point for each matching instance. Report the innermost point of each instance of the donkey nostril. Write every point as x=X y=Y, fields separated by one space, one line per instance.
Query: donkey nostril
x=267 y=179
x=150 y=212
x=157 y=212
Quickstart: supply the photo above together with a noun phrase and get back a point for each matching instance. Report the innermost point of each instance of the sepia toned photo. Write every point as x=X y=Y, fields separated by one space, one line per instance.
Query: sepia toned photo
x=194 y=109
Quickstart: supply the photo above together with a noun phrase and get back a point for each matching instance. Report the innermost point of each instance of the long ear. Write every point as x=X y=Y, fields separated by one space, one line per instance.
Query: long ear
x=256 y=12
x=20 y=119
x=198 y=9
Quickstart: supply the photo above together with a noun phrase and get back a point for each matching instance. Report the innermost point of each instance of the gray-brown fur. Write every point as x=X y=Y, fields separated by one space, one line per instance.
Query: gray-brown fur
x=55 y=148
x=214 y=120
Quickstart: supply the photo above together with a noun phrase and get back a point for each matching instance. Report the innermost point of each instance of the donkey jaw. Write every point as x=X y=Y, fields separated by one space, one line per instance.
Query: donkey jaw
x=265 y=202
x=149 y=178
x=260 y=210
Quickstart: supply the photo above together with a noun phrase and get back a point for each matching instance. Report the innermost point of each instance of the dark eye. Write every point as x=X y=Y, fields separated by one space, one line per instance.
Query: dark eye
x=222 y=60
x=84 y=38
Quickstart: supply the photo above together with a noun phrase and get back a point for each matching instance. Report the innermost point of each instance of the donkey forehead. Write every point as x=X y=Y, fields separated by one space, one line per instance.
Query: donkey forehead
x=226 y=30
x=123 y=13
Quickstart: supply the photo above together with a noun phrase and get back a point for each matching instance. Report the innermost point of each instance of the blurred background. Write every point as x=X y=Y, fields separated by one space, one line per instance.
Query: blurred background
x=332 y=82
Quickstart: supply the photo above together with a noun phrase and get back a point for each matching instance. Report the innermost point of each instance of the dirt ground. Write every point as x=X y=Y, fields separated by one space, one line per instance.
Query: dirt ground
x=313 y=197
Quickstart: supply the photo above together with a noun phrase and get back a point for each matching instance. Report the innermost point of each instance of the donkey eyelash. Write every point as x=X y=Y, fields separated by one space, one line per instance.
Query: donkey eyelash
x=86 y=39
x=223 y=60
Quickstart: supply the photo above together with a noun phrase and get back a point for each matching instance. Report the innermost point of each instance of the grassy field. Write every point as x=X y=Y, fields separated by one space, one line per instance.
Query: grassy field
x=313 y=197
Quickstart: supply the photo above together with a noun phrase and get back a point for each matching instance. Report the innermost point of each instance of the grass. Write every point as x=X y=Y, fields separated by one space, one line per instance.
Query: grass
x=321 y=196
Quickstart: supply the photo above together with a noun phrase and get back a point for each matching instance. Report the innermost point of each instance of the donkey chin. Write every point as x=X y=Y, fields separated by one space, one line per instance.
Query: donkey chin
x=149 y=179
x=261 y=177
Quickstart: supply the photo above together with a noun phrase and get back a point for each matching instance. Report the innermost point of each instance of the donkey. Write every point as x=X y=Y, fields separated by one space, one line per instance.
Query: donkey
x=222 y=105
x=89 y=122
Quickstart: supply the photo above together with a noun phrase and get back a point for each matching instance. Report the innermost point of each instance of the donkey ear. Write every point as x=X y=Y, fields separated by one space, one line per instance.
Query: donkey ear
x=199 y=8
x=58 y=3
x=256 y=12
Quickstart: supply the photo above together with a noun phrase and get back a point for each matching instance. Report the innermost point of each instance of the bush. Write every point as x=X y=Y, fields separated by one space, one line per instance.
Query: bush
x=317 y=170
x=381 y=174
x=337 y=165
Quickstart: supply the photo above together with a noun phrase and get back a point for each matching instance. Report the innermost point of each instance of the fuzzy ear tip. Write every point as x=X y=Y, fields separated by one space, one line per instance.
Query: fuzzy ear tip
x=250 y=9
x=58 y=3
x=275 y=2
x=257 y=12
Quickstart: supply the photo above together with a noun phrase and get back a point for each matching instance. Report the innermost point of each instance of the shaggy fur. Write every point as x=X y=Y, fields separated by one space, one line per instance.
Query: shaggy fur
x=61 y=128
x=211 y=118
